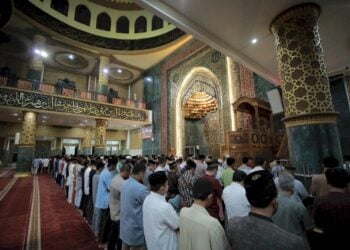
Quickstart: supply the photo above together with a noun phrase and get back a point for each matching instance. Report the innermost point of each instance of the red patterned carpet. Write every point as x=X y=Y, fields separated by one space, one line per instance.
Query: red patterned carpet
x=61 y=225
x=14 y=214
x=5 y=177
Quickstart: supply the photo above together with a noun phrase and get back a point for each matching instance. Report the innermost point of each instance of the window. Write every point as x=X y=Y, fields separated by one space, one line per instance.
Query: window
x=103 y=22
x=82 y=15
x=141 y=24
x=123 y=25
x=157 y=23
x=60 y=6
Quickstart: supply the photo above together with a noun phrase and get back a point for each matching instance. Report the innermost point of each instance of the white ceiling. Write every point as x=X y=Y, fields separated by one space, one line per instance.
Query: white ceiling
x=230 y=25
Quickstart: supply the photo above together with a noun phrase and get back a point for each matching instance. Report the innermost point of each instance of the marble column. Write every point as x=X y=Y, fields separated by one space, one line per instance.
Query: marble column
x=102 y=86
x=309 y=116
x=26 y=147
x=100 y=137
x=86 y=144
x=36 y=65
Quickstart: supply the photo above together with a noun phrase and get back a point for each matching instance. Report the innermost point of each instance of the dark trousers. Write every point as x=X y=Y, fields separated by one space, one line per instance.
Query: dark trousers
x=104 y=226
x=113 y=239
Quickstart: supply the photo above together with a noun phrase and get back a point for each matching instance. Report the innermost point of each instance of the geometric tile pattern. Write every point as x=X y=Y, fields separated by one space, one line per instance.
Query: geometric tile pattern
x=301 y=61
x=86 y=143
x=100 y=138
x=247 y=82
x=28 y=132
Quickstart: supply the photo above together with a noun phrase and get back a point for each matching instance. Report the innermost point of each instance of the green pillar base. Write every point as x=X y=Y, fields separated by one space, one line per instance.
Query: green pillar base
x=310 y=144
x=86 y=151
x=100 y=151
x=24 y=158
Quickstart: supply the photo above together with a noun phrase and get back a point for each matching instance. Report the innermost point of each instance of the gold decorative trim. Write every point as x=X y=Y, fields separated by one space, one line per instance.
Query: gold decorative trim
x=26 y=145
x=293 y=11
x=313 y=118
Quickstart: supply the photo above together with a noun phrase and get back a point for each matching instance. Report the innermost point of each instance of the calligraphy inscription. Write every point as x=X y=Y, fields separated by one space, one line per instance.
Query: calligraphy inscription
x=23 y=99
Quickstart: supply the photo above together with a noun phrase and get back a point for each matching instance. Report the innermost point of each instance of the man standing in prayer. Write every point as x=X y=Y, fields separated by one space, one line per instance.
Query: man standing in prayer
x=228 y=172
x=186 y=182
x=291 y=215
x=159 y=217
x=332 y=212
x=102 y=200
x=198 y=229
x=133 y=194
x=319 y=186
x=114 y=206
x=234 y=196
x=256 y=231
x=247 y=164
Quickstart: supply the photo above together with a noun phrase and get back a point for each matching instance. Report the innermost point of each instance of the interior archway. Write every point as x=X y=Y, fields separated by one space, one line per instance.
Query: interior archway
x=199 y=79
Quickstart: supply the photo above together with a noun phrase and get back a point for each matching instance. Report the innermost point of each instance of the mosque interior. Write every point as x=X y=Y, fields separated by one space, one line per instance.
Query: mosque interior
x=175 y=77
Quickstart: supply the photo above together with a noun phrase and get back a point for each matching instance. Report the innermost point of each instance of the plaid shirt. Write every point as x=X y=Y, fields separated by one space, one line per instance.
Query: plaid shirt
x=186 y=182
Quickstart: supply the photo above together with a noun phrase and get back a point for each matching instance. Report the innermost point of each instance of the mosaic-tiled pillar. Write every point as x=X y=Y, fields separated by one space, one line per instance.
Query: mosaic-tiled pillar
x=309 y=116
x=86 y=143
x=102 y=86
x=100 y=136
x=36 y=65
x=26 y=148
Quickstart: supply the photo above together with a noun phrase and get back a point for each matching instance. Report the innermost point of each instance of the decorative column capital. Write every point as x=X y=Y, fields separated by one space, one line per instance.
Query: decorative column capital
x=305 y=9
x=313 y=118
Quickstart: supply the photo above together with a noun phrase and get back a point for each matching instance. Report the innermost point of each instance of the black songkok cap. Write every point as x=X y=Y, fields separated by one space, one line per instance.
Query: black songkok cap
x=260 y=188
x=202 y=188
x=156 y=178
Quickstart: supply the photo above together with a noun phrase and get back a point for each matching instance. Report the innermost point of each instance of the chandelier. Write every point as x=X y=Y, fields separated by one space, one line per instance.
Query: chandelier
x=199 y=105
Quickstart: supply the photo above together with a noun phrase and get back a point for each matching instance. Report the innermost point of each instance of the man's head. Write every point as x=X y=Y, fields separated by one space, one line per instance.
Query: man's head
x=201 y=157
x=259 y=161
x=162 y=161
x=100 y=165
x=112 y=163
x=337 y=177
x=260 y=189
x=230 y=162
x=330 y=162
x=124 y=171
x=138 y=171
x=249 y=161
x=158 y=182
x=152 y=165
x=286 y=182
x=212 y=169
x=173 y=167
x=190 y=166
x=239 y=176
x=203 y=192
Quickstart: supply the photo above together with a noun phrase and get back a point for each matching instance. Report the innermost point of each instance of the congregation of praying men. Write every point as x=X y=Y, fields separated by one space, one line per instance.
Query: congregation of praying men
x=160 y=203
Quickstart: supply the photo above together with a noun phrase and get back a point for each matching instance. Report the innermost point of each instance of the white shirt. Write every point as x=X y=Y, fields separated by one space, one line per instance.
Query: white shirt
x=159 y=222
x=86 y=181
x=235 y=200
x=245 y=168
x=71 y=170
x=200 y=231
x=165 y=168
x=45 y=162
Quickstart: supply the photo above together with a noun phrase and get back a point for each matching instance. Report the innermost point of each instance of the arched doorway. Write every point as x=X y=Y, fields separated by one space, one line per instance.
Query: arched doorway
x=203 y=129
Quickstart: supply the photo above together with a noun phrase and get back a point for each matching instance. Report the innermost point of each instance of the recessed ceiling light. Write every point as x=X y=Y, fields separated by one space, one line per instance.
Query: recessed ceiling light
x=15 y=114
x=105 y=70
x=44 y=121
x=148 y=79
x=85 y=121
x=254 y=41
x=19 y=119
x=71 y=56
x=44 y=117
x=119 y=71
x=81 y=124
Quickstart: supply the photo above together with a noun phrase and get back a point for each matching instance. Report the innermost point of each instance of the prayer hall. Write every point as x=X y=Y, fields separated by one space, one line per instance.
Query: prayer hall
x=174 y=125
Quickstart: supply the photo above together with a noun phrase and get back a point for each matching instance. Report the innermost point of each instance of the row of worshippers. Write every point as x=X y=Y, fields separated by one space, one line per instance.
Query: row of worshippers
x=158 y=222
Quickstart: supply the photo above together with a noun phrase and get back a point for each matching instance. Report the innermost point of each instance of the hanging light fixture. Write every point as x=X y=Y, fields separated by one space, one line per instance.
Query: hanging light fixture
x=199 y=105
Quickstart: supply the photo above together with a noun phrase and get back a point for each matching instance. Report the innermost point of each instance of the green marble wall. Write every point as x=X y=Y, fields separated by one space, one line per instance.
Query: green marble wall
x=310 y=144
x=25 y=157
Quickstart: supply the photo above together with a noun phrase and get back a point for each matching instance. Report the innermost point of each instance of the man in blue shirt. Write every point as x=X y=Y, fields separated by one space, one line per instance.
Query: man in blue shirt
x=102 y=200
x=133 y=193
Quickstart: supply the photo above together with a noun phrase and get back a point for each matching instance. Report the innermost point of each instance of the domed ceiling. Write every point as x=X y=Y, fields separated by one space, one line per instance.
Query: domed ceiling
x=109 y=24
